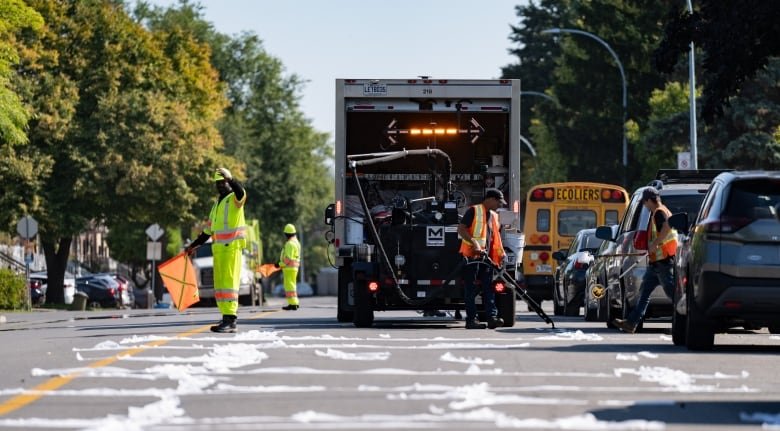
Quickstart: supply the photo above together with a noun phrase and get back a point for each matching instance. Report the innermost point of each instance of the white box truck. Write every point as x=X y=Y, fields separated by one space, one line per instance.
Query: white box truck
x=411 y=156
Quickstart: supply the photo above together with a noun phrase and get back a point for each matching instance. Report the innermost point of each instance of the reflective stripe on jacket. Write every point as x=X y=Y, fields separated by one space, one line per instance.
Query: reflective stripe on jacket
x=291 y=254
x=226 y=223
x=478 y=231
x=668 y=246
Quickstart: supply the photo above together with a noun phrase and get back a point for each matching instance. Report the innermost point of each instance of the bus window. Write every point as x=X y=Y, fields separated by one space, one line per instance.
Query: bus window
x=543 y=220
x=572 y=221
x=610 y=217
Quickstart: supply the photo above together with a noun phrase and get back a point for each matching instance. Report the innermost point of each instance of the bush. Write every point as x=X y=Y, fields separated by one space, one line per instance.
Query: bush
x=11 y=290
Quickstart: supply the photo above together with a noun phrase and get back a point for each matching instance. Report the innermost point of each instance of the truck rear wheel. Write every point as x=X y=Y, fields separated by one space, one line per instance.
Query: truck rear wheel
x=364 y=313
x=344 y=312
x=507 y=307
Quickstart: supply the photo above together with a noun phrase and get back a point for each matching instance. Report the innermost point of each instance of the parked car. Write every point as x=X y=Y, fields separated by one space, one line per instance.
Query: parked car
x=69 y=284
x=203 y=261
x=126 y=291
x=595 y=304
x=680 y=191
x=569 y=284
x=729 y=273
x=103 y=291
x=37 y=294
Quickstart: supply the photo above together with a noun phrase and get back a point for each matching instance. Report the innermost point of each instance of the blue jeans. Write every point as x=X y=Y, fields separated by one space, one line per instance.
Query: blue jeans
x=472 y=273
x=661 y=272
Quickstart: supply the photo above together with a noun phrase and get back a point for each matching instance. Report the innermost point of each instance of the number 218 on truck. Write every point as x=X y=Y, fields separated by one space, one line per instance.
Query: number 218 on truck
x=554 y=213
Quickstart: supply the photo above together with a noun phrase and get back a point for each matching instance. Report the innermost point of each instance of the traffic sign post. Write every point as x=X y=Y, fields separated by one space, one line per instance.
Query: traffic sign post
x=27 y=228
x=154 y=248
x=683 y=160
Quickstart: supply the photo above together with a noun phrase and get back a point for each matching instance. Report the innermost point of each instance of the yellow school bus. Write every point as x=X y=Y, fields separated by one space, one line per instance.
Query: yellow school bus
x=554 y=213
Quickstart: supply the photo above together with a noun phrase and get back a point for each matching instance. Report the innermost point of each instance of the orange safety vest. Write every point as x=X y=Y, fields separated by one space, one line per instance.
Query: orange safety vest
x=668 y=246
x=478 y=231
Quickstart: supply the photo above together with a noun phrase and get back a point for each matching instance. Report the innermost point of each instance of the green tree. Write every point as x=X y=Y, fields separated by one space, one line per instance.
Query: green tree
x=19 y=167
x=126 y=119
x=287 y=178
x=745 y=135
x=737 y=38
x=588 y=125
x=14 y=16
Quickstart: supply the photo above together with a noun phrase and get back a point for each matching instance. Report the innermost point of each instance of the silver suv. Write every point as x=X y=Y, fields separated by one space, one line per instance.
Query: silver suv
x=729 y=268
x=681 y=192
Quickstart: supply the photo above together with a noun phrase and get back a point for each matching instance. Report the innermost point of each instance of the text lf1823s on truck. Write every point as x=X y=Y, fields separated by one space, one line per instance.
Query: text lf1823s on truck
x=411 y=157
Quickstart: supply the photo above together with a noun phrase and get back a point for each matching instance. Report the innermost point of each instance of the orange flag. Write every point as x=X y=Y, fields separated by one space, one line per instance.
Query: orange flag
x=266 y=270
x=180 y=280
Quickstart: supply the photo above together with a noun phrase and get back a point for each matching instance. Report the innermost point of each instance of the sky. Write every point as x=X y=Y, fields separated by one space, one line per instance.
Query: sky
x=322 y=40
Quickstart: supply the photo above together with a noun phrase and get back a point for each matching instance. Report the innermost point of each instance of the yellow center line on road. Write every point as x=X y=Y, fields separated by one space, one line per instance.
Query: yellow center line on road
x=55 y=383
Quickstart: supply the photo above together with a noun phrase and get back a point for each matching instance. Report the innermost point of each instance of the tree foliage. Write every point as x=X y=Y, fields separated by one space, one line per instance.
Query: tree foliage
x=285 y=159
x=580 y=139
x=737 y=39
x=588 y=124
x=15 y=15
x=125 y=118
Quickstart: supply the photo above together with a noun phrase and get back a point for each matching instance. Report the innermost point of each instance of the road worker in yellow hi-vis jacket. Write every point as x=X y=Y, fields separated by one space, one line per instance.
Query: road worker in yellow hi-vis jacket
x=290 y=261
x=227 y=229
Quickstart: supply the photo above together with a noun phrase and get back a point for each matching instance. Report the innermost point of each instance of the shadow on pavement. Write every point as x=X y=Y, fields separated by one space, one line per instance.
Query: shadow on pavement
x=695 y=412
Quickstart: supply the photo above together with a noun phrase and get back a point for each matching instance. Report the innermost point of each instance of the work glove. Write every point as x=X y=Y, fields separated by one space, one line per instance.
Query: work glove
x=225 y=173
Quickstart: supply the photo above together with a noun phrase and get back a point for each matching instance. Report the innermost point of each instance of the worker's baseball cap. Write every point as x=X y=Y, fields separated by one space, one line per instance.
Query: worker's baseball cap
x=495 y=193
x=649 y=193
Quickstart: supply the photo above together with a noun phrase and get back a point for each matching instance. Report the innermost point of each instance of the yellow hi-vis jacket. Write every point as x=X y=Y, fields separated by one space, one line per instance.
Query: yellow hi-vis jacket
x=478 y=231
x=291 y=254
x=668 y=246
x=226 y=223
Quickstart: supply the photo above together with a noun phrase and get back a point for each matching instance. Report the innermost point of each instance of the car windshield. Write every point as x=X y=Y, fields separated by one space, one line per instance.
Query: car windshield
x=590 y=242
x=688 y=204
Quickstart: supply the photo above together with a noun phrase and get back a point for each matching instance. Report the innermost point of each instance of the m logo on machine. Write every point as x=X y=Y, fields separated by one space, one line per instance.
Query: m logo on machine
x=434 y=236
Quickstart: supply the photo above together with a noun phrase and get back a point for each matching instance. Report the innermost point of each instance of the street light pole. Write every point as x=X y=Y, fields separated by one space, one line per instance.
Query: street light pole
x=692 y=100
x=540 y=94
x=622 y=75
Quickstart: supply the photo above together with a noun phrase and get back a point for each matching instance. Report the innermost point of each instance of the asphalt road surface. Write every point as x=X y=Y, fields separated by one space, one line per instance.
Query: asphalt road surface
x=290 y=370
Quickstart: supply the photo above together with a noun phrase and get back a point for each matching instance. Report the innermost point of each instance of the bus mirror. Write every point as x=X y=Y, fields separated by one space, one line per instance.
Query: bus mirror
x=330 y=214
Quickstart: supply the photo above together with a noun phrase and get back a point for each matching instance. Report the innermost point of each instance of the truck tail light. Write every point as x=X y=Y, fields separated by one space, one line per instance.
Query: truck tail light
x=499 y=287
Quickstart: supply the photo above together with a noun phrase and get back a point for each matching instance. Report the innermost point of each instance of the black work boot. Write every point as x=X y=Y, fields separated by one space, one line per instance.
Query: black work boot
x=495 y=322
x=228 y=324
x=290 y=307
x=474 y=324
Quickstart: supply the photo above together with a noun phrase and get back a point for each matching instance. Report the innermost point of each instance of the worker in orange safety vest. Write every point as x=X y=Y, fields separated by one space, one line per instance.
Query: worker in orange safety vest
x=479 y=230
x=661 y=251
x=227 y=229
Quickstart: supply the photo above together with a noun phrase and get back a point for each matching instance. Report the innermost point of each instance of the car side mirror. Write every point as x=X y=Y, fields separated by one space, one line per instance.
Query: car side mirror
x=560 y=255
x=330 y=214
x=679 y=221
x=605 y=233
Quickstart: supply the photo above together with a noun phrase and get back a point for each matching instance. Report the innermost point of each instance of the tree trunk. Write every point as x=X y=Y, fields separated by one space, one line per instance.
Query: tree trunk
x=56 y=262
